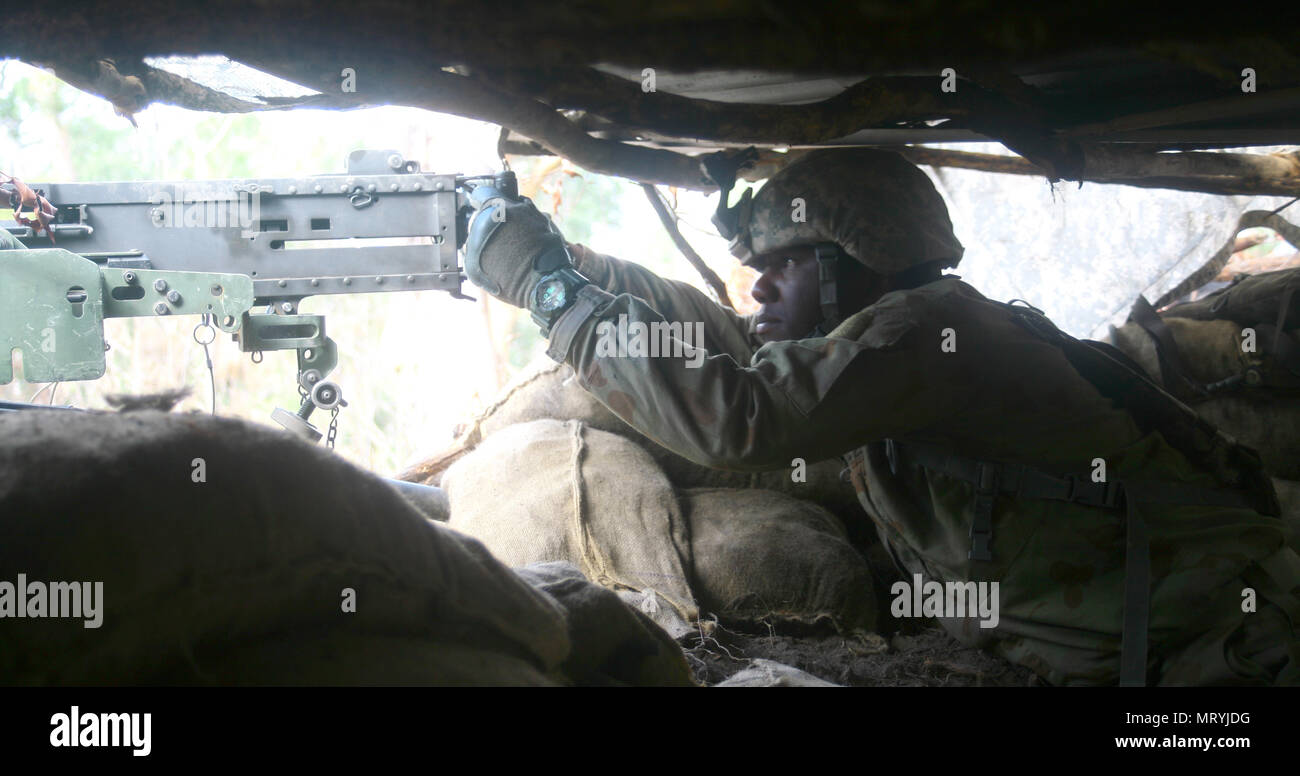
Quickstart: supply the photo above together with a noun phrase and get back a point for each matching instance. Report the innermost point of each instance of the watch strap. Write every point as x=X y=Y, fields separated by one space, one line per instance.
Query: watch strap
x=573 y=281
x=590 y=298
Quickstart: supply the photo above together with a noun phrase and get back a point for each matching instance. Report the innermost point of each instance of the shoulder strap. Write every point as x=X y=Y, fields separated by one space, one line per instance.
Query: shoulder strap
x=1173 y=374
x=1153 y=409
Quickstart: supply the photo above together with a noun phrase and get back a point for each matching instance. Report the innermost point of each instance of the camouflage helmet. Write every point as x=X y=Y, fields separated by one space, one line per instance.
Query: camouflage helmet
x=877 y=206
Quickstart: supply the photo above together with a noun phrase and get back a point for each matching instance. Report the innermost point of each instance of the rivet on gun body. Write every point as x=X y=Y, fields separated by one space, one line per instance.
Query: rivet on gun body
x=174 y=297
x=370 y=187
x=417 y=187
x=160 y=286
x=315 y=281
x=217 y=289
x=379 y=280
x=129 y=277
x=286 y=306
x=347 y=281
x=293 y=189
x=161 y=308
x=393 y=187
x=437 y=185
x=410 y=278
x=316 y=188
x=281 y=283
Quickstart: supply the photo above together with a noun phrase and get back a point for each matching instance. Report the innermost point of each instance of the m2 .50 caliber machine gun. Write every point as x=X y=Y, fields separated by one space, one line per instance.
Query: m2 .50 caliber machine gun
x=221 y=249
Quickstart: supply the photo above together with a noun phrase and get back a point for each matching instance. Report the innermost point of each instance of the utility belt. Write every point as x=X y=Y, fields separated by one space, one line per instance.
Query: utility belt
x=1017 y=481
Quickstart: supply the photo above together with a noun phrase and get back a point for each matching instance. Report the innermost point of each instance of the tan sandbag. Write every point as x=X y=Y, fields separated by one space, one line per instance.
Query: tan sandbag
x=215 y=538
x=1211 y=351
x=544 y=389
x=550 y=390
x=819 y=482
x=764 y=557
x=551 y=490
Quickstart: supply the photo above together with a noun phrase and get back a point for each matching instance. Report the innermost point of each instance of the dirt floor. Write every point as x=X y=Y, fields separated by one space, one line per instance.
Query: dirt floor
x=921 y=655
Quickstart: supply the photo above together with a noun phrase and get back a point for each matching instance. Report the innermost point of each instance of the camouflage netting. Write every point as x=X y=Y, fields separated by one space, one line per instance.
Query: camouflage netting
x=240 y=578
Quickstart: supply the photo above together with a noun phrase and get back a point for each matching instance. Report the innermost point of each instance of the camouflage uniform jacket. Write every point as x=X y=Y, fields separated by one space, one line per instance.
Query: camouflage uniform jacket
x=998 y=393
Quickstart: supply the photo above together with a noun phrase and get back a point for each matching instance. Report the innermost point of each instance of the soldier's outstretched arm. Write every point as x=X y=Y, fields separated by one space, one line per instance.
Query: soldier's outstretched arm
x=811 y=398
x=725 y=331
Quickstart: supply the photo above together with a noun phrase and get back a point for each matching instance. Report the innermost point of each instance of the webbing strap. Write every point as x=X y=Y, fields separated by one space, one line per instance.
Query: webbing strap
x=1137 y=599
x=1020 y=481
x=590 y=298
x=828 y=259
x=1172 y=370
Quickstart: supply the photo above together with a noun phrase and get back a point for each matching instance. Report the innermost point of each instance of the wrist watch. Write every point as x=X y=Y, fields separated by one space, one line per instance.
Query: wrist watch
x=553 y=295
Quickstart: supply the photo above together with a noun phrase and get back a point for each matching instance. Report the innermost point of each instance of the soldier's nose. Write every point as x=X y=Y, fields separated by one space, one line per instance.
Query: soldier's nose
x=764 y=290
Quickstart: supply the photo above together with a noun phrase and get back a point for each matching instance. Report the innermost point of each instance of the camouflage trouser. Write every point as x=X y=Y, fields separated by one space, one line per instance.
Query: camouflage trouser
x=1204 y=637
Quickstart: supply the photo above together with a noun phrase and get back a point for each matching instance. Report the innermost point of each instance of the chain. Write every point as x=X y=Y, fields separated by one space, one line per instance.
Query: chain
x=333 y=430
x=209 y=335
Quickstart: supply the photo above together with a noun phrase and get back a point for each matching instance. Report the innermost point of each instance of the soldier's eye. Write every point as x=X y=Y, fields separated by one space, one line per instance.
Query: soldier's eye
x=790 y=261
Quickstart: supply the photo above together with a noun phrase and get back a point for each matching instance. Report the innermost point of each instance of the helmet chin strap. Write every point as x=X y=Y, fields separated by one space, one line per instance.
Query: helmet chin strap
x=828 y=258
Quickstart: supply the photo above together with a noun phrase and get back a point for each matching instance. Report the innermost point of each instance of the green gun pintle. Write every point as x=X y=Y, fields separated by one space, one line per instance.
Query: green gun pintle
x=53 y=304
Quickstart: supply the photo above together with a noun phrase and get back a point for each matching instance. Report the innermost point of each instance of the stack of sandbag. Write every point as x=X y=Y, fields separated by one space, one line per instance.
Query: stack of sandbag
x=551 y=490
x=550 y=390
x=212 y=551
x=555 y=490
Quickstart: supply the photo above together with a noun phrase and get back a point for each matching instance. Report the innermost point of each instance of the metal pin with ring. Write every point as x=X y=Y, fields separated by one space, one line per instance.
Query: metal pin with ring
x=205 y=339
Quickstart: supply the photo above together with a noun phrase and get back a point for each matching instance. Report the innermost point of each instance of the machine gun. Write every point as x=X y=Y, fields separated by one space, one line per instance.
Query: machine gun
x=221 y=249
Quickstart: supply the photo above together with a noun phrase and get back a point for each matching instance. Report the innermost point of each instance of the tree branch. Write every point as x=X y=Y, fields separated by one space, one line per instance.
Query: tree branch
x=438 y=90
x=1200 y=171
x=669 y=220
x=142 y=85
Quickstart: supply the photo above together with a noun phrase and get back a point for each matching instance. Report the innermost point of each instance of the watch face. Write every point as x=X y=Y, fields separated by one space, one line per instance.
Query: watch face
x=551 y=295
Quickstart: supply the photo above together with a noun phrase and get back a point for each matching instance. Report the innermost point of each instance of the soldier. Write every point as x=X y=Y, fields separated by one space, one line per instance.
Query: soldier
x=1131 y=542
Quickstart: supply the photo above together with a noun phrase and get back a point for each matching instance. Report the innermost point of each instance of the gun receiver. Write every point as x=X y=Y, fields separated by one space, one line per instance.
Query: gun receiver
x=223 y=248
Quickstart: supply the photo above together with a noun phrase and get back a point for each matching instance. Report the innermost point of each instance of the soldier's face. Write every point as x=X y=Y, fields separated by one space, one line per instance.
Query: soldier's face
x=788 y=292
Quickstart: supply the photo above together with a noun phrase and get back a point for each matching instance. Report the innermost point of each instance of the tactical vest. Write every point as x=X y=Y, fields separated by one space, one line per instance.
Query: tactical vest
x=1242 y=485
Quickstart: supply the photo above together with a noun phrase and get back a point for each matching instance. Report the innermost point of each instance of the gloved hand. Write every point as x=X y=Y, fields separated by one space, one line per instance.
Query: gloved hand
x=510 y=246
